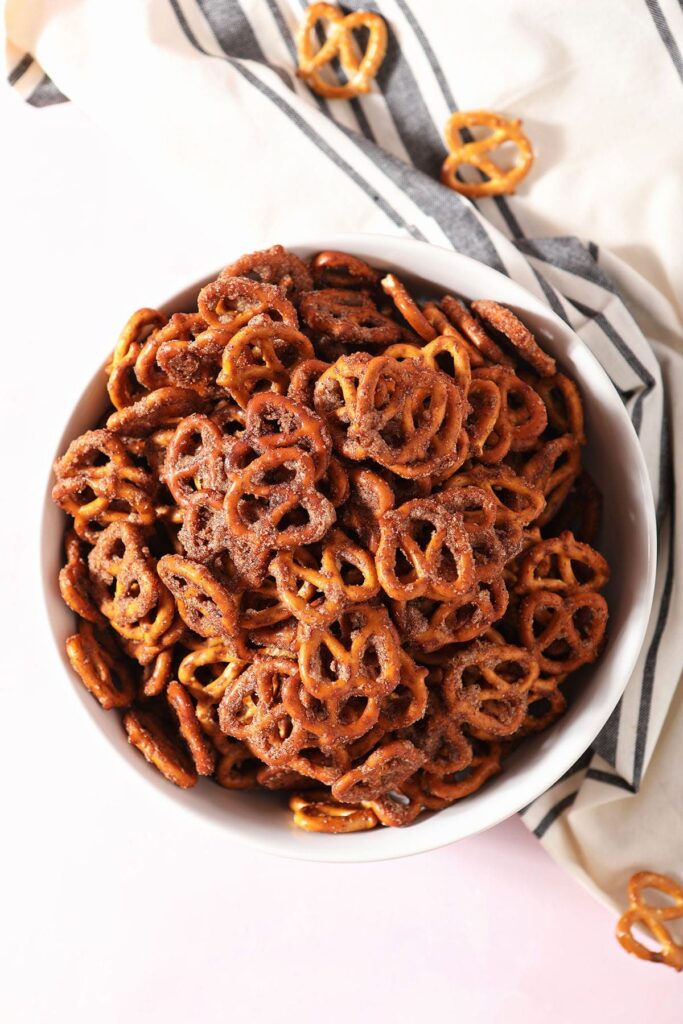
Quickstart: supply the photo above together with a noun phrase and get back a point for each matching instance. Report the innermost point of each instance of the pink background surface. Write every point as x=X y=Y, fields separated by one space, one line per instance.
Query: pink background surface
x=117 y=907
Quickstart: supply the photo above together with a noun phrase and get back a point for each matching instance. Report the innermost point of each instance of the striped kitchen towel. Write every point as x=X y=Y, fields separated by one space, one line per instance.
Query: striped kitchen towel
x=208 y=87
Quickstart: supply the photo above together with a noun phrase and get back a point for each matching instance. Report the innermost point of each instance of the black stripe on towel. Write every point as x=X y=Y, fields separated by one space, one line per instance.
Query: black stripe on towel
x=553 y=814
x=46 y=94
x=609 y=779
x=20 y=69
x=666 y=35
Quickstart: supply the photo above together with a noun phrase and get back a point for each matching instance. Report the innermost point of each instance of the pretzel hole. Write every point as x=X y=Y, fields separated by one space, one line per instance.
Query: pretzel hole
x=294 y=518
x=353 y=710
x=510 y=671
x=283 y=474
x=403 y=567
x=583 y=619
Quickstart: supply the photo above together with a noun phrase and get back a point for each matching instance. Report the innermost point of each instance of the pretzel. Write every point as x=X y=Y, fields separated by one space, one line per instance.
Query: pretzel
x=262 y=352
x=522 y=415
x=516 y=501
x=383 y=771
x=74 y=580
x=194 y=363
x=546 y=703
x=408 y=419
x=652 y=918
x=487 y=686
x=484 y=764
x=320 y=814
x=203 y=603
x=369 y=498
x=474 y=332
x=232 y=302
x=237 y=768
x=162 y=408
x=498 y=181
x=200 y=751
x=581 y=511
x=274 y=421
x=303 y=380
x=157 y=674
x=274 y=266
x=332 y=269
x=563 y=402
x=339 y=43
x=432 y=543
x=348 y=316
x=180 y=328
x=204 y=533
x=519 y=336
x=194 y=458
x=140 y=609
x=361 y=654
x=407 y=307
x=562 y=564
x=430 y=625
x=445 y=328
x=252 y=710
x=146 y=732
x=123 y=385
x=315 y=590
x=103 y=673
x=319 y=763
x=406 y=704
x=554 y=469
x=563 y=632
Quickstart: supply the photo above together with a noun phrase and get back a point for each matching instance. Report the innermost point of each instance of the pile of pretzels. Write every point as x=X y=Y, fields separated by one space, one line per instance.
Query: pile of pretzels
x=332 y=540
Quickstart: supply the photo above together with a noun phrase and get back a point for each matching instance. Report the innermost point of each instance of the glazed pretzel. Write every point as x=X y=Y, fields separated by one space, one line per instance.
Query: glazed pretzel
x=563 y=402
x=407 y=703
x=430 y=625
x=194 y=363
x=164 y=407
x=139 y=608
x=275 y=421
x=516 y=501
x=98 y=484
x=237 y=768
x=146 y=732
x=200 y=750
x=278 y=484
x=181 y=328
x=317 y=813
x=252 y=710
x=485 y=763
x=522 y=415
x=652 y=918
x=195 y=459
x=563 y=632
x=487 y=686
x=473 y=330
x=408 y=419
x=232 y=302
x=332 y=269
x=519 y=336
x=348 y=316
x=433 y=545
x=157 y=674
x=274 y=266
x=262 y=352
x=123 y=385
x=562 y=564
x=444 y=327
x=75 y=585
x=101 y=669
x=554 y=469
x=204 y=533
x=407 y=307
x=315 y=590
x=361 y=655
x=303 y=381
x=339 y=43
x=382 y=772
x=499 y=182
x=204 y=604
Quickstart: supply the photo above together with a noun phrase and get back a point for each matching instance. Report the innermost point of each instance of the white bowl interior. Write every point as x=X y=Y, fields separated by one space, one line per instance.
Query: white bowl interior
x=615 y=460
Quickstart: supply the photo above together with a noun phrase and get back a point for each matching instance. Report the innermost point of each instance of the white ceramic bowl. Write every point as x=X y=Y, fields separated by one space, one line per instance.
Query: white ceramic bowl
x=614 y=458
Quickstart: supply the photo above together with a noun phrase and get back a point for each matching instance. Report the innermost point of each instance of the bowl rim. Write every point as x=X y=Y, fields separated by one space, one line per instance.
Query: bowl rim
x=397 y=250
